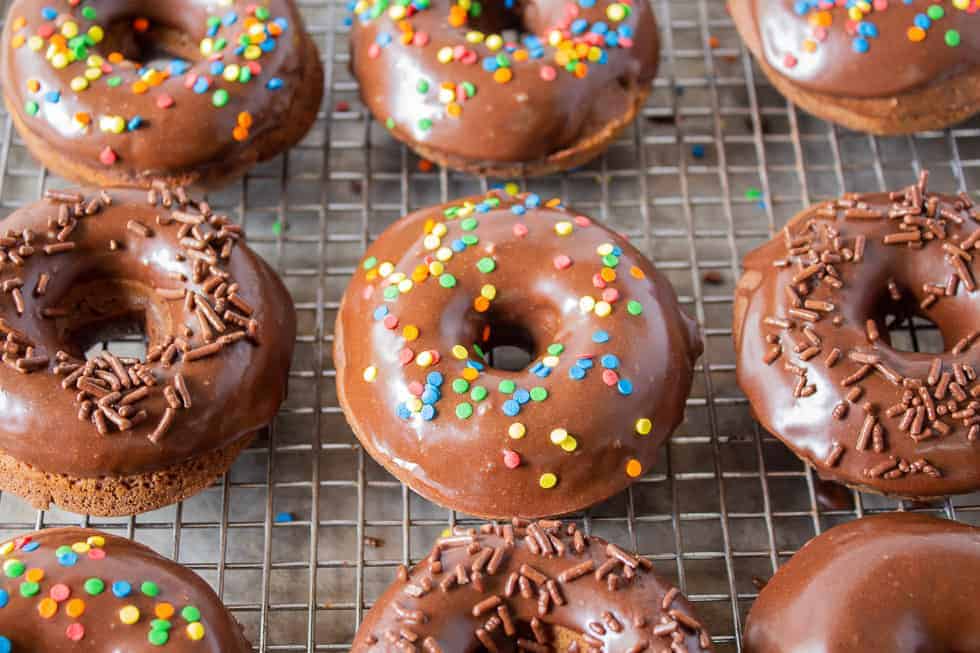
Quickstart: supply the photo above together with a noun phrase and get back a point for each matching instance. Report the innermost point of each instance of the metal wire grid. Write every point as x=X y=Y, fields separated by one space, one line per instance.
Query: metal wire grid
x=726 y=505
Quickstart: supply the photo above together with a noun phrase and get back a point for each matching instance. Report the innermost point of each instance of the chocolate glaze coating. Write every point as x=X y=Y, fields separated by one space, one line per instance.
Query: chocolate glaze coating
x=111 y=257
x=814 y=355
x=541 y=587
x=99 y=625
x=523 y=121
x=543 y=285
x=190 y=141
x=892 y=64
x=895 y=583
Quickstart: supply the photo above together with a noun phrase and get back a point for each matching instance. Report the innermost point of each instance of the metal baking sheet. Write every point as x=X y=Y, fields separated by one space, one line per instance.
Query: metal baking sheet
x=716 y=163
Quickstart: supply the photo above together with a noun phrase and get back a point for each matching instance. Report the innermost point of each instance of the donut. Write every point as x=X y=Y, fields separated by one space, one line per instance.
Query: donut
x=72 y=589
x=541 y=587
x=815 y=357
x=879 y=67
x=505 y=88
x=891 y=583
x=186 y=91
x=428 y=386
x=108 y=434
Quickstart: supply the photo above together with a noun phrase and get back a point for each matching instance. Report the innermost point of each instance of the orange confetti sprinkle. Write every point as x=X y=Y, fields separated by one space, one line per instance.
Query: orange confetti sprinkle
x=457 y=16
x=163 y=610
x=502 y=75
x=425 y=165
x=140 y=87
x=916 y=34
x=713 y=42
x=47 y=608
x=608 y=274
x=481 y=304
x=33 y=85
x=245 y=119
x=116 y=57
x=470 y=374
x=637 y=273
x=19 y=23
x=35 y=575
x=17 y=41
x=239 y=133
x=141 y=24
x=75 y=608
x=633 y=468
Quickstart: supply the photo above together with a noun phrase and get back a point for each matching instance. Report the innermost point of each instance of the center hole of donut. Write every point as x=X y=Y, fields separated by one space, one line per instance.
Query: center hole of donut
x=125 y=336
x=905 y=326
x=509 y=346
x=496 y=18
x=148 y=42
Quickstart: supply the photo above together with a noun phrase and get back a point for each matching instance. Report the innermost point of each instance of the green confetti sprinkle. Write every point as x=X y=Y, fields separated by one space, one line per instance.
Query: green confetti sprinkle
x=94 y=586
x=220 y=98
x=447 y=280
x=460 y=385
x=31 y=107
x=277 y=228
x=391 y=292
x=935 y=12
x=479 y=393
x=114 y=81
x=470 y=239
x=158 y=637
x=507 y=386
x=29 y=588
x=14 y=568
x=160 y=624
x=62 y=551
x=390 y=123
x=952 y=38
x=469 y=224
x=370 y=262
x=634 y=307
x=539 y=394
x=556 y=348
x=610 y=260
x=486 y=265
x=262 y=13
x=191 y=614
x=464 y=410
x=88 y=12
x=150 y=588
x=422 y=86
x=425 y=124
x=752 y=193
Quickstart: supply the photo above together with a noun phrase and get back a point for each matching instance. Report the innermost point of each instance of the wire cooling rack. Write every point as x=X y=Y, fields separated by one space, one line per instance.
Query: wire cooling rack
x=305 y=531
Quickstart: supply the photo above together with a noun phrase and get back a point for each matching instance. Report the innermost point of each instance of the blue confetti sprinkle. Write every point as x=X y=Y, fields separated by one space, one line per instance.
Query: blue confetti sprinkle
x=428 y=413
x=229 y=19
x=4 y=598
x=178 y=67
x=121 y=589
x=860 y=45
x=698 y=151
x=518 y=209
x=274 y=84
x=609 y=361
x=53 y=96
x=511 y=408
x=284 y=517
x=5 y=645
x=49 y=13
x=430 y=396
x=134 y=123
x=30 y=546
x=600 y=337
x=380 y=313
x=522 y=396
x=402 y=411
x=434 y=378
x=576 y=372
x=625 y=387
x=217 y=67
x=533 y=201
x=68 y=560
x=584 y=363
x=201 y=85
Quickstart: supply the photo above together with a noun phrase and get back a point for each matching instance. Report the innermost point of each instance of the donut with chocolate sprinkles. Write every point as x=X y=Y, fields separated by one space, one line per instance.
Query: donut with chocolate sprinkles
x=542 y=586
x=504 y=355
x=891 y=583
x=188 y=92
x=102 y=433
x=815 y=354
x=75 y=589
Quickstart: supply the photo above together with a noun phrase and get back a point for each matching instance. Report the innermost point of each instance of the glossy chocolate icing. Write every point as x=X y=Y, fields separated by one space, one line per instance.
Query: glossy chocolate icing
x=640 y=367
x=155 y=260
x=42 y=622
x=523 y=120
x=502 y=588
x=823 y=58
x=895 y=583
x=191 y=135
x=858 y=410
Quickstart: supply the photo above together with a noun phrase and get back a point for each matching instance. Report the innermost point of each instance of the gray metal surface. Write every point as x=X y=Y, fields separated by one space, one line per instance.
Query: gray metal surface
x=726 y=505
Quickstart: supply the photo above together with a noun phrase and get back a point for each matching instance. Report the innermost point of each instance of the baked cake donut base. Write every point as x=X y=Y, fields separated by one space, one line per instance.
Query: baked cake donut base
x=289 y=131
x=932 y=107
x=119 y=495
x=580 y=153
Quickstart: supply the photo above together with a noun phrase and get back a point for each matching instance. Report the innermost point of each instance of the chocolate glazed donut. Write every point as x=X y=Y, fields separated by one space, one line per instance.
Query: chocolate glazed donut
x=542 y=587
x=446 y=81
x=122 y=92
x=113 y=435
x=895 y=583
x=74 y=589
x=815 y=357
x=418 y=375
x=888 y=68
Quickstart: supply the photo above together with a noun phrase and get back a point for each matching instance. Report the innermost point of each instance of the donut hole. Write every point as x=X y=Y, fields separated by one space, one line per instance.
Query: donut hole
x=497 y=18
x=509 y=346
x=121 y=316
x=903 y=325
x=156 y=45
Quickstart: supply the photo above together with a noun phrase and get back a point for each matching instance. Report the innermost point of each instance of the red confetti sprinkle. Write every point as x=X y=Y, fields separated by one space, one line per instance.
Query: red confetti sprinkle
x=562 y=262
x=520 y=230
x=45 y=30
x=107 y=156
x=512 y=459
x=609 y=377
x=96 y=554
x=343 y=106
x=374 y=50
x=75 y=632
x=582 y=221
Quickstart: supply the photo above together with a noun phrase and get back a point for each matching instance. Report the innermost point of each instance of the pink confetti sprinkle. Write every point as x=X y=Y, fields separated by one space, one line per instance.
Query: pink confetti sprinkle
x=406 y=356
x=609 y=377
x=548 y=73
x=391 y=322
x=107 y=156
x=416 y=388
x=789 y=61
x=598 y=281
x=45 y=30
x=435 y=356
x=189 y=80
x=254 y=67
x=374 y=50
x=75 y=632
x=562 y=262
x=59 y=592
x=469 y=58
x=421 y=39
x=96 y=554
x=610 y=295
x=165 y=101
x=512 y=459
x=582 y=221
x=368 y=292
x=520 y=230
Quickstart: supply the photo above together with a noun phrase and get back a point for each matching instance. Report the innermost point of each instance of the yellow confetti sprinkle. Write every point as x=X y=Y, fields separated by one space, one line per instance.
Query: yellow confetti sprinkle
x=548 y=480
x=129 y=615
x=643 y=426
x=370 y=373
x=516 y=430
